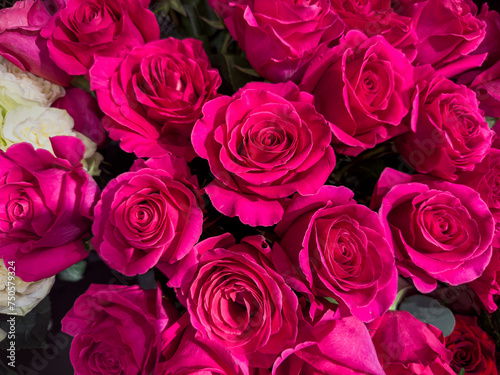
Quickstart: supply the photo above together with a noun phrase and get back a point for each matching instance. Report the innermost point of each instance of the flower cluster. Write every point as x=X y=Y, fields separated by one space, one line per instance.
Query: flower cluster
x=246 y=198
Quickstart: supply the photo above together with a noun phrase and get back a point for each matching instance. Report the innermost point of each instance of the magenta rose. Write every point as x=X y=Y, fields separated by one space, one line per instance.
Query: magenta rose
x=406 y=346
x=147 y=216
x=83 y=108
x=473 y=350
x=280 y=38
x=84 y=29
x=321 y=349
x=487 y=88
x=487 y=286
x=195 y=355
x=153 y=96
x=263 y=144
x=235 y=297
x=371 y=84
x=378 y=17
x=447 y=31
x=485 y=179
x=118 y=329
x=21 y=43
x=439 y=230
x=449 y=133
x=46 y=207
x=337 y=248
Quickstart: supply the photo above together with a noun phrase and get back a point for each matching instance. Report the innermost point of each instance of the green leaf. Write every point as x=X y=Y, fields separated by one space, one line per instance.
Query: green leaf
x=73 y=273
x=399 y=297
x=81 y=82
x=491 y=121
x=331 y=300
x=248 y=71
x=462 y=371
x=217 y=24
x=429 y=310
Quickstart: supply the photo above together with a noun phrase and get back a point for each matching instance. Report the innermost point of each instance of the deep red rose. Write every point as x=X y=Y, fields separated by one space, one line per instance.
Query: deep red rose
x=473 y=350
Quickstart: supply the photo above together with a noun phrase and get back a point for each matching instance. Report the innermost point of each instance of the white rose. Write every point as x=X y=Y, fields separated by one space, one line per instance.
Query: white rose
x=37 y=124
x=27 y=295
x=18 y=87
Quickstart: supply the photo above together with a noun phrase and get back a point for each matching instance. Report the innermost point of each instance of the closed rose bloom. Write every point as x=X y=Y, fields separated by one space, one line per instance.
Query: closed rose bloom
x=147 y=216
x=118 y=329
x=473 y=350
x=337 y=248
x=447 y=31
x=47 y=203
x=236 y=298
x=406 y=346
x=263 y=144
x=21 y=42
x=363 y=88
x=281 y=38
x=440 y=231
x=449 y=133
x=154 y=95
x=487 y=88
x=82 y=30
x=27 y=294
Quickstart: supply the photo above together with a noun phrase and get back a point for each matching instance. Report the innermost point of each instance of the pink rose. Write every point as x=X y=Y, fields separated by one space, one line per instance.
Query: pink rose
x=321 y=349
x=406 y=346
x=487 y=286
x=436 y=228
x=83 y=108
x=147 y=216
x=46 y=205
x=487 y=88
x=84 y=29
x=192 y=355
x=117 y=330
x=449 y=133
x=236 y=298
x=377 y=17
x=281 y=38
x=21 y=43
x=448 y=31
x=263 y=144
x=153 y=96
x=371 y=84
x=338 y=249
x=485 y=179
x=489 y=44
x=473 y=350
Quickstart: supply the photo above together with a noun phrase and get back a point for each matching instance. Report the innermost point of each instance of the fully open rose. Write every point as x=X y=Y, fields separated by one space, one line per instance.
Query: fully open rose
x=439 y=230
x=84 y=29
x=117 y=329
x=46 y=207
x=280 y=38
x=338 y=249
x=363 y=88
x=236 y=297
x=153 y=96
x=264 y=143
x=149 y=215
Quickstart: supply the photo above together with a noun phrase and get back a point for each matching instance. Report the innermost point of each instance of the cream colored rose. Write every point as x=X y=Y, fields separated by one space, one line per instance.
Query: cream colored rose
x=37 y=124
x=18 y=87
x=27 y=295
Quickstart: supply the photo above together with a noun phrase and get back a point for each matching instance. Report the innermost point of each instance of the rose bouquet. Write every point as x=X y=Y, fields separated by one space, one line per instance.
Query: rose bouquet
x=249 y=187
